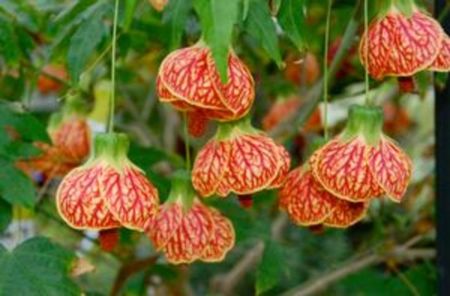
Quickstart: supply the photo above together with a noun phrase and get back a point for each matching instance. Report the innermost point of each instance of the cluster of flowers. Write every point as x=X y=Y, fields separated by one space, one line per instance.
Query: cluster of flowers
x=334 y=188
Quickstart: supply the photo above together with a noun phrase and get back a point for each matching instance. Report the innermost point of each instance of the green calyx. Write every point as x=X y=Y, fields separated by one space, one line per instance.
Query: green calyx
x=181 y=190
x=112 y=147
x=406 y=7
x=74 y=105
x=228 y=130
x=365 y=121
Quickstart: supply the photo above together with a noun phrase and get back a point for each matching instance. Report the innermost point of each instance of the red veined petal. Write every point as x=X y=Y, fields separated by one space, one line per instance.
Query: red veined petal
x=304 y=199
x=341 y=167
x=129 y=195
x=221 y=240
x=442 y=61
x=80 y=202
x=165 y=96
x=191 y=238
x=73 y=138
x=285 y=160
x=238 y=93
x=253 y=164
x=210 y=166
x=391 y=168
x=401 y=46
x=186 y=76
x=164 y=224
x=345 y=214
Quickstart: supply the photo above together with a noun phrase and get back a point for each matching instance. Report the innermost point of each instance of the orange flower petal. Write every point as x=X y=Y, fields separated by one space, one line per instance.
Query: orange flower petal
x=210 y=166
x=221 y=240
x=197 y=123
x=129 y=195
x=80 y=202
x=345 y=214
x=191 y=238
x=285 y=160
x=254 y=164
x=399 y=45
x=341 y=167
x=442 y=62
x=304 y=199
x=163 y=225
x=73 y=138
x=238 y=93
x=391 y=168
x=186 y=76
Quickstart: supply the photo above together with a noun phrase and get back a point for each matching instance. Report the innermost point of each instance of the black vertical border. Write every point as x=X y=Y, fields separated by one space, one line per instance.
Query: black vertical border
x=442 y=130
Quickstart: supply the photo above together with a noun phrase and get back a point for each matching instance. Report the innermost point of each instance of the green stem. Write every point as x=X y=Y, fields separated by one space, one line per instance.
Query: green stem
x=325 y=69
x=113 y=69
x=369 y=100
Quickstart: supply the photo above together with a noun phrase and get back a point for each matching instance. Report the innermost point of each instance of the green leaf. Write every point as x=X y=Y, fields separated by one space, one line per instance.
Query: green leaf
x=218 y=18
x=5 y=215
x=15 y=187
x=176 y=14
x=270 y=268
x=292 y=19
x=28 y=126
x=84 y=42
x=37 y=267
x=72 y=12
x=130 y=8
x=260 y=25
x=9 y=47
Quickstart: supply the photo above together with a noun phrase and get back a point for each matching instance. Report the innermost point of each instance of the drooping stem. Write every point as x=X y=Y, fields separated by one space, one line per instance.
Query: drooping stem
x=369 y=100
x=325 y=70
x=112 y=102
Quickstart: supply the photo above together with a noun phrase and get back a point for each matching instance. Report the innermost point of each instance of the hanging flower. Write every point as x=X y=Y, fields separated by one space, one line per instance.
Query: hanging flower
x=403 y=40
x=442 y=62
x=241 y=160
x=108 y=191
x=362 y=162
x=309 y=204
x=188 y=79
x=186 y=230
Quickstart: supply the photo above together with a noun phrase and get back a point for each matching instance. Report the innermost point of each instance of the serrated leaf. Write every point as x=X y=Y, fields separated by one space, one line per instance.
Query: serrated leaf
x=176 y=14
x=9 y=47
x=270 y=268
x=292 y=19
x=37 y=267
x=15 y=187
x=5 y=214
x=260 y=25
x=218 y=18
x=84 y=42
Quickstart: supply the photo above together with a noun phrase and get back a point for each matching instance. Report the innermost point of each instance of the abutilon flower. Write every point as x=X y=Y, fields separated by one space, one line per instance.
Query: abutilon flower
x=402 y=41
x=241 y=160
x=186 y=230
x=309 y=204
x=108 y=191
x=46 y=84
x=70 y=136
x=188 y=79
x=362 y=162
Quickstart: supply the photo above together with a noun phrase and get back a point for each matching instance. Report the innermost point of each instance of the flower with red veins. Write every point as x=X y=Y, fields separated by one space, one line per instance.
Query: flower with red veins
x=72 y=137
x=186 y=230
x=240 y=160
x=400 y=42
x=108 y=191
x=46 y=84
x=442 y=61
x=362 y=162
x=188 y=79
x=309 y=204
